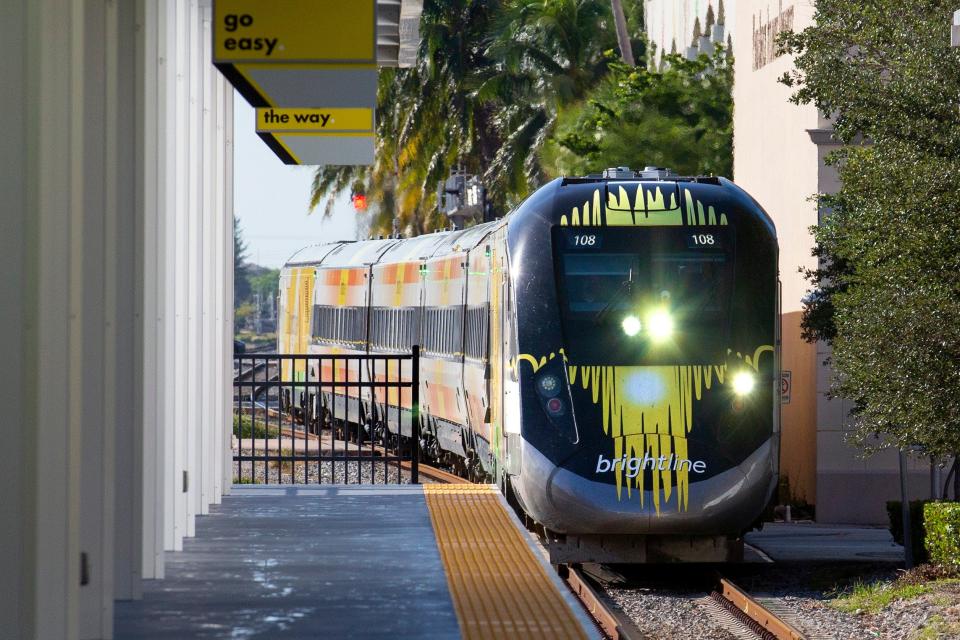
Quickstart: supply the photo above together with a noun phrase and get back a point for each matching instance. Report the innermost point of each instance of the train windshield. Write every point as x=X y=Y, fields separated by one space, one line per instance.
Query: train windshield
x=655 y=295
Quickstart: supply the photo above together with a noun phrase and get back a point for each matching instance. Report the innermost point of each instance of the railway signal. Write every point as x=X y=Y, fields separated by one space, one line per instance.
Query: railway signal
x=359 y=202
x=462 y=197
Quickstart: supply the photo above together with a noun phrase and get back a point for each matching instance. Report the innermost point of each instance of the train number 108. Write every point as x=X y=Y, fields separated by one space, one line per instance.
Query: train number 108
x=703 y=239
x=585 y=240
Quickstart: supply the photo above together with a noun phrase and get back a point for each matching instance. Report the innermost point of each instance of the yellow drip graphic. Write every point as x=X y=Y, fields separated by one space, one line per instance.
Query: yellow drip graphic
x=649 y=411
x=647 y=207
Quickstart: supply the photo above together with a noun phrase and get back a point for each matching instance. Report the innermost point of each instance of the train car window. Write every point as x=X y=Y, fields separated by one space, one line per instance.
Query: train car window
x=476 y=332
x=385 y=328
x=397 y=342
x=444 y=332
x=430 y=331
x=382 y=324
x=593 y=280
x=392 y=328
x=448 y=331
x=381 y=328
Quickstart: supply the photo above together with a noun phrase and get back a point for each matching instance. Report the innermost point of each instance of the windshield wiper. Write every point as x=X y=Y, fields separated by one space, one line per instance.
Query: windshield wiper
x=625 y=290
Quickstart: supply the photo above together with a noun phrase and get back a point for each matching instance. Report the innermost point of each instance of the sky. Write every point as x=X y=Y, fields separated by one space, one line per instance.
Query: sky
x=270 y=199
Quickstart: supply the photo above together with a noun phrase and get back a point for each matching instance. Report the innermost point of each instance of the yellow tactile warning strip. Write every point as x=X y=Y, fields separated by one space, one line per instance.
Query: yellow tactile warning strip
x=499 y=588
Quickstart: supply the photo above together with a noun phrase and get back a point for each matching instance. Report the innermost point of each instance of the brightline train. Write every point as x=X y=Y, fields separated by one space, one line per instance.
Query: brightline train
x=607 y=353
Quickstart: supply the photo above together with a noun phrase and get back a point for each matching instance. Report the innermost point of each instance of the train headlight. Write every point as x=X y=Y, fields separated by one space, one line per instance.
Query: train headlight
x=631 y=325
x=548 y=385
x=660 y=325
x=743 y=383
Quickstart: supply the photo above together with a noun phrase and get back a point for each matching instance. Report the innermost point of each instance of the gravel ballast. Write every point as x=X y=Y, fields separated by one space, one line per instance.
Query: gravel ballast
x=669 y=603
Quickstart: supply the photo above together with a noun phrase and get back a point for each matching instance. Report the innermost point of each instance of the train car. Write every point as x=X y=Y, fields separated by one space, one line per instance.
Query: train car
x=607 y=353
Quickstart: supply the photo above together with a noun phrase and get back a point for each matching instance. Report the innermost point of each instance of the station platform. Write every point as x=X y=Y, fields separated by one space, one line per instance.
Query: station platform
x=810 y=542
x=357 y=561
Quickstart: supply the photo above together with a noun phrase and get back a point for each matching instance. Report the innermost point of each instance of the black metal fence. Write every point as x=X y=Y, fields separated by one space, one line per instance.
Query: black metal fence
x=324 y=418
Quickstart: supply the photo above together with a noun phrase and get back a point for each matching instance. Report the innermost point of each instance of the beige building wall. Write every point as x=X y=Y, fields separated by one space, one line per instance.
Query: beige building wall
x=779 y=151
x=776 y=162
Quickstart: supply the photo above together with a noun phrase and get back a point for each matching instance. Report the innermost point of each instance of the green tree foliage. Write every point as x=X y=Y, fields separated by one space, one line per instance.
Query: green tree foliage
x=680 y=117
x=429 y=120
x=887 y=295
x=266 y=284
x=521 y=91
x=490 y=80
x=241 y=270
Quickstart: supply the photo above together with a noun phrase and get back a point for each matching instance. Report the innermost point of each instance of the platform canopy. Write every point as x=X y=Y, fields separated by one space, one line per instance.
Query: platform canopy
x=310 y=68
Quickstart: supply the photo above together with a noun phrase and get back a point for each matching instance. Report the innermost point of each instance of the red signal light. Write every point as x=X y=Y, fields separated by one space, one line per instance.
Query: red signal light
x=359 y=202
x=555 y=406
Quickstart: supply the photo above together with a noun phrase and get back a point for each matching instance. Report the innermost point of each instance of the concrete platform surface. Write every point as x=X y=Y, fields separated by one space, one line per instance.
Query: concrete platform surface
x=274 y=562
x=793 y=542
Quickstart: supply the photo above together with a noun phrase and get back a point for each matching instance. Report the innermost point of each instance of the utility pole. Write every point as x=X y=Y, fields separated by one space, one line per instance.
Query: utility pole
x=626 y=51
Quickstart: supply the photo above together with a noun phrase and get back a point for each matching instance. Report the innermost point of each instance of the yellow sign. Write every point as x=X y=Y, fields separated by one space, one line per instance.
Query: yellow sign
x=315 y=120
x=295 y=31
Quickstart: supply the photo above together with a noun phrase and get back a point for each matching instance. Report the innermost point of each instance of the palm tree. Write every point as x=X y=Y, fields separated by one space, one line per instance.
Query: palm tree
x=623 y=40
x=427 y=121
x=483 y=96
x=549 y=55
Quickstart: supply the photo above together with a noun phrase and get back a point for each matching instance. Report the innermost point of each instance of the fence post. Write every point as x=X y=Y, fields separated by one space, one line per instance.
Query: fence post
x=415 y=416
x=905 y=513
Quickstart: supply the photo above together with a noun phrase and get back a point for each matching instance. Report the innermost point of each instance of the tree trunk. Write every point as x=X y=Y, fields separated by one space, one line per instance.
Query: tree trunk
x=626 y=51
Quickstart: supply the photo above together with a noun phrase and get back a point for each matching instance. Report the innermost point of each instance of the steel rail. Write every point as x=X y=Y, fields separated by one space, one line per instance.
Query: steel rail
x=752 y=614
x=437 y=475
x=612 y=622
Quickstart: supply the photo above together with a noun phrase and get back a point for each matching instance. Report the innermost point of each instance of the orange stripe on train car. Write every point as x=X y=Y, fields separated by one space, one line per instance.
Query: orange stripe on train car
x=448 y=269
x=333 y=277
x=400 y=272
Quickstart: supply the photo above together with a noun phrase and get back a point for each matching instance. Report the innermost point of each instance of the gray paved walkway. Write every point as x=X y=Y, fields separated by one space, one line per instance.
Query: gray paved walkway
x=272 y=563
x=825 y=543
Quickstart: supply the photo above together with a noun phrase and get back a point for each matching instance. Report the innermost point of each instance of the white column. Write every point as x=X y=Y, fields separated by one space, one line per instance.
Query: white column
x=179 y=238
x=124 y=171
x=170 y=421
x=227 y=279
x=42 y=57
x=208 y=462
x=96 y=305
x=192 y=276
x=96 y=321
x=150 y=239
x=222 y=349
x=17 y=246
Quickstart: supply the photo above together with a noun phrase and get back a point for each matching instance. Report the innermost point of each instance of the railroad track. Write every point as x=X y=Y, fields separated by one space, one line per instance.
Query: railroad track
x=753 y=615
x=437 y=475
x=612 y=621
x=741 y=614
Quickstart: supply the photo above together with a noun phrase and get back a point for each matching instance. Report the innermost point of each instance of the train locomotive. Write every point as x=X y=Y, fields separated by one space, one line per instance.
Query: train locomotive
x=607 y=353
